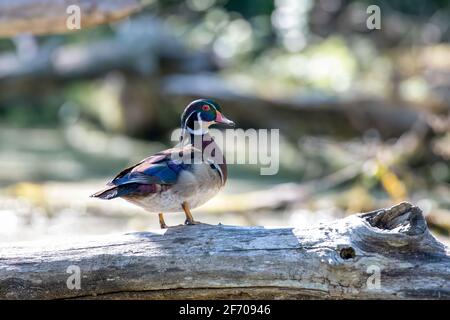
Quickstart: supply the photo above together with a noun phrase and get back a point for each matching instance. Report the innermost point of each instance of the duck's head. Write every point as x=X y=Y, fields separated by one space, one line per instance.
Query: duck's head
x=200 y=114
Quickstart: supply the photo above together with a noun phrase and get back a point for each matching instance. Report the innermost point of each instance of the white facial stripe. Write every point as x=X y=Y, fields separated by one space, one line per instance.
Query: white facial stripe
x=200 y=130
x=183 y=129
x=189 y=116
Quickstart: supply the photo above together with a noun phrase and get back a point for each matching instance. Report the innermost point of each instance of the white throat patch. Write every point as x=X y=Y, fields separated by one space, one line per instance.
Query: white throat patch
x=203 y=126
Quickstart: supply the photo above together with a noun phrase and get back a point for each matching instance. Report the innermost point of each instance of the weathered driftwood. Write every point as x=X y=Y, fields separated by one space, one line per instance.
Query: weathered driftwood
x=50 y=16
x=335 y=260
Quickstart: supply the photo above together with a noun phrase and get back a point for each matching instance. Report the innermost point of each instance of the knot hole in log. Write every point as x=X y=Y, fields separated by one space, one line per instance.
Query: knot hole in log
x=402 y=218
x=347 y=253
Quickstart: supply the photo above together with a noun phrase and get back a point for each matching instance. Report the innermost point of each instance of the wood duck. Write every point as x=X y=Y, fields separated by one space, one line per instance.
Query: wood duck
x=181 y=178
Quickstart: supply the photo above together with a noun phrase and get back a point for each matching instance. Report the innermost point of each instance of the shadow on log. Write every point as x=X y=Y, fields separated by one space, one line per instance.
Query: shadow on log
x=385 y=254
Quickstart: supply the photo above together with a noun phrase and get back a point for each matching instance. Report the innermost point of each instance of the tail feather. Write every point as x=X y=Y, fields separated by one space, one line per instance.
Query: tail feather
x=107 y=194
x=124 y=190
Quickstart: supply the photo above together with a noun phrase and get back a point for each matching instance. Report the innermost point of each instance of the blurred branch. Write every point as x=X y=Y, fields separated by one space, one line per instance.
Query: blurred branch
x=286 y=194
x=338 y=117
x=155 y=52
x=50 y=16
x=153 y=47
x=335 y=260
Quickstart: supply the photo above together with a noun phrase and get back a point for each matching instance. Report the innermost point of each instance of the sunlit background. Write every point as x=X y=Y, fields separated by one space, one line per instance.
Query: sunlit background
x=363 y=114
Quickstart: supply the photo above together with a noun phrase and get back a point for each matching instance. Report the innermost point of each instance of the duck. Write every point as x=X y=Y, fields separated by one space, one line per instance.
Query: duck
x=181 y=178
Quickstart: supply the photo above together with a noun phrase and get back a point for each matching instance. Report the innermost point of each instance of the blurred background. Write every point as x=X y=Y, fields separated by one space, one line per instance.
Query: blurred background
x=363 y=114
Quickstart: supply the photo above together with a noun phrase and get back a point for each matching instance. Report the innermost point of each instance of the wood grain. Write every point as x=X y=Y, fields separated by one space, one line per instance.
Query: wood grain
x=332 y=261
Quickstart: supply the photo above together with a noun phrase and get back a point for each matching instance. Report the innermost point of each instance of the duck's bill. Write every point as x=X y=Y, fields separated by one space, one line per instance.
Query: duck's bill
x=220 y=118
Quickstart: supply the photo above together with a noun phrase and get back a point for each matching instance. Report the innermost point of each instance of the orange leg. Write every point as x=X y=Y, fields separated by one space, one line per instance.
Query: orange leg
x=162 y=223
x=189 y=218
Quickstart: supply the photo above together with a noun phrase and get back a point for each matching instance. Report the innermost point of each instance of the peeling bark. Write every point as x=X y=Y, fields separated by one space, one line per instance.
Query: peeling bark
x=337 y=260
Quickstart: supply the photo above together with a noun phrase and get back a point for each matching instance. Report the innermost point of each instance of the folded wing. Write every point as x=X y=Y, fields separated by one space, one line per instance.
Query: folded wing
x=147 y=176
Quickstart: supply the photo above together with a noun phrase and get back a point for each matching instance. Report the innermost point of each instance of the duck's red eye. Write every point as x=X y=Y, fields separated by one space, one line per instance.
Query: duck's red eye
x=205 y=107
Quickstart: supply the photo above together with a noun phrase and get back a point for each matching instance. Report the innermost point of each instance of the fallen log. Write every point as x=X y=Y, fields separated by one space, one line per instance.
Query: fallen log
x=297 y=116
x=384 y=254
x=50 y=16
x=53 y=62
